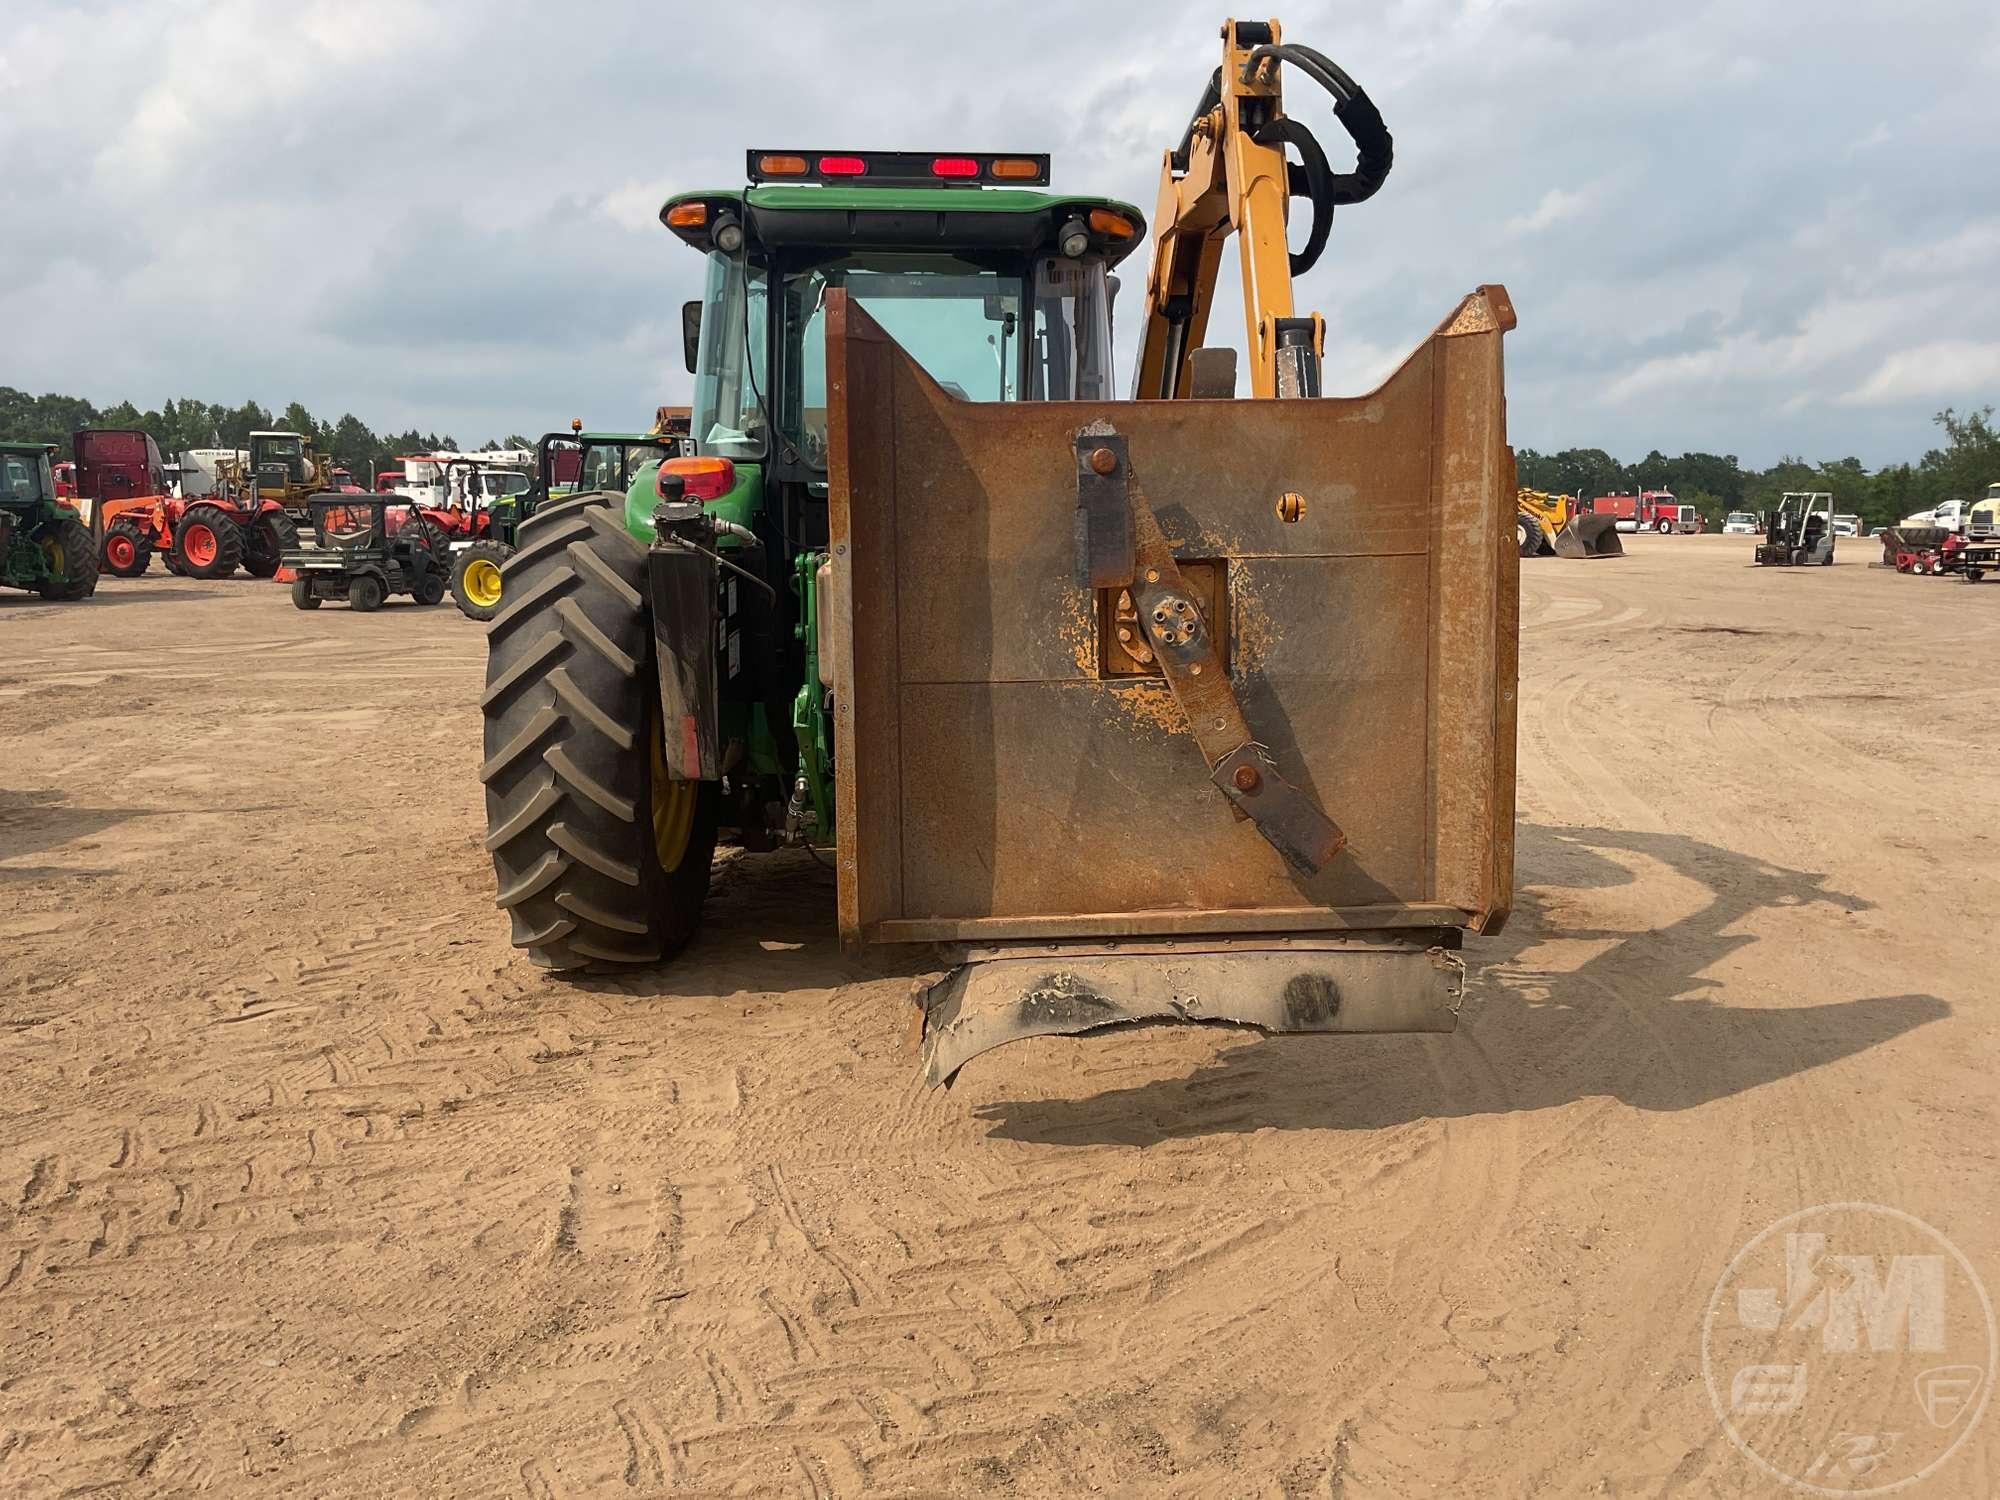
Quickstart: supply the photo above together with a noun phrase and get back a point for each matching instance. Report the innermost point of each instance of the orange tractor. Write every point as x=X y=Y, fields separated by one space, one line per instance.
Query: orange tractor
x=123 y=485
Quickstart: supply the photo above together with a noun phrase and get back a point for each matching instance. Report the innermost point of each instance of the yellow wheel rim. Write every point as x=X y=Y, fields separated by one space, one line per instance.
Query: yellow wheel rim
x=482 y=582
x=58 y=560
x=673 y=808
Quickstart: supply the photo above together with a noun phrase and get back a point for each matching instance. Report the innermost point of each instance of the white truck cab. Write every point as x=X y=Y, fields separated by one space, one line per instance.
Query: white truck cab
x=1950 y=516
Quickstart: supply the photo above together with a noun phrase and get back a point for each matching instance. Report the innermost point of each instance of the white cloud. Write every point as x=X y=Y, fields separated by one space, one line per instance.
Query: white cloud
x=636 y=205
x=1941 y=371
x=1557 y=205
x=441 y=213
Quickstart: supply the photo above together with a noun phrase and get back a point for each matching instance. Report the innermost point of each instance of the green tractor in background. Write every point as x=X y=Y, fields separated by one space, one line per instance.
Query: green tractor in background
x=653 y=680
x=44 y=545
x=565 y=462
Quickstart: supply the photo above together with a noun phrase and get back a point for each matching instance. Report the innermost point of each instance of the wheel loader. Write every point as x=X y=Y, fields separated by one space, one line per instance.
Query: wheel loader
x=1548 y=525
x=1159 y=709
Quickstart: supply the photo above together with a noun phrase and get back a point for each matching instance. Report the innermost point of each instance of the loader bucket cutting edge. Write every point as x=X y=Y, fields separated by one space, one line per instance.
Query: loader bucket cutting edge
x=1332 y=987
x=1589 y=536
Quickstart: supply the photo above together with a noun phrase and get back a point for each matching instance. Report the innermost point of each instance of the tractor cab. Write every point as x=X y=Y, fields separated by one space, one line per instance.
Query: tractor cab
x=574 y=461
x=1000 y=292
x=44 y=545
x=280 y=468
x=282 y=454
x=27 y=475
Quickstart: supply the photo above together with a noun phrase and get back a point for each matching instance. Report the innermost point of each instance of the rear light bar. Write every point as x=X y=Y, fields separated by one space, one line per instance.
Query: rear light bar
x=899 y=168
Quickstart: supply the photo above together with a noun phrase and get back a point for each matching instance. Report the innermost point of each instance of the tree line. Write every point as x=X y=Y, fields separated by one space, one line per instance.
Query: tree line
x=180 y=425
x=1965 y=463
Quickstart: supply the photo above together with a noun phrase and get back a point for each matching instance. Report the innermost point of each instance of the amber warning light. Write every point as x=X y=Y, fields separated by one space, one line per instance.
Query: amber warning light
x=900 y=168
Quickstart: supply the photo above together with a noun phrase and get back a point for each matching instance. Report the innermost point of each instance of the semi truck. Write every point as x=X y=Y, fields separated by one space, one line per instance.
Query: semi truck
x=1649 y=510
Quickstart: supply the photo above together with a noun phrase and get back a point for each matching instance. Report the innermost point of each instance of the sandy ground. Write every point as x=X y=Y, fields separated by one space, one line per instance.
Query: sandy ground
x=307 y=1186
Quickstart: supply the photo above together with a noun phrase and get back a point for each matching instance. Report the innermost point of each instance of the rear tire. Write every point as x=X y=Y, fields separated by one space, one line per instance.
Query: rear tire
x=77 y=549
x=429 y=588
x=432 y=537
x=303 y=596
x=572 y=737
x=127 y=550
x=1527 y=536
x=207 y=543
x=366 y=593
x=267 y=542
x=476 y=580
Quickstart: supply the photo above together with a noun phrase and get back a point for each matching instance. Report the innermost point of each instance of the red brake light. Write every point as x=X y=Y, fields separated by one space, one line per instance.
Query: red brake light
x=842 y=166
x=702 y=478
x=954 y=166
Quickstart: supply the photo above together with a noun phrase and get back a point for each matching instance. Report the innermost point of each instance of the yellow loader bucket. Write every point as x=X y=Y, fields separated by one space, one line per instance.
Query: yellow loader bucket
x=1590 y=536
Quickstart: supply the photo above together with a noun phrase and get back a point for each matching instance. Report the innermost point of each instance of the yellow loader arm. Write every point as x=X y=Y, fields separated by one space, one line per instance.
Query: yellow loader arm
x=1230 y=175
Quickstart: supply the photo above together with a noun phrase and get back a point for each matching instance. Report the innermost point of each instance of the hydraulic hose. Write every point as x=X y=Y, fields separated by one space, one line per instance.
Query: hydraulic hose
x=1311 y=177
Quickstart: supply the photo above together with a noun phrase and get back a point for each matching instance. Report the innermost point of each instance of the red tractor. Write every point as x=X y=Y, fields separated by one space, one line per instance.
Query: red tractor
x=451 y=498
x=122 y=483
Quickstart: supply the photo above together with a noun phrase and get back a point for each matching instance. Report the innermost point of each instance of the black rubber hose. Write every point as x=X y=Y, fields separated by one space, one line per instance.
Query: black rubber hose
x=1311 y=178
x=1375 y=148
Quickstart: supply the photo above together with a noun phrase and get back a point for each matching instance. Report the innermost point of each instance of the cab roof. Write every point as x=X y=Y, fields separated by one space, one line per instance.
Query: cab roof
x=824 y=216
x=48 y=448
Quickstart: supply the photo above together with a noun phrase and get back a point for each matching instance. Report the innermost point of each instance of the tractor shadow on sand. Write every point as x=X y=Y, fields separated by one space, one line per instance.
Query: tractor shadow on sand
x=1631 y=1018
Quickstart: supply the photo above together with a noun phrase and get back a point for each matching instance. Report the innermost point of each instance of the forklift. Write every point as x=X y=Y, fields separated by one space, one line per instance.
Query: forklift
x=1799 y=533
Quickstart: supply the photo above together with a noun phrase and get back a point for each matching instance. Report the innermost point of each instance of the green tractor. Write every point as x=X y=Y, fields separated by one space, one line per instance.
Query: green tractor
x=653 y=679
x=44 y=545
x=1072 y=685
x=564 y=462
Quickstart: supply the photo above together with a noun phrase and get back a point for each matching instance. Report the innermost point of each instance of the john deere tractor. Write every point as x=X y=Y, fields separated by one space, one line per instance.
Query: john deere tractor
x=44 y=545
x=1075 y=686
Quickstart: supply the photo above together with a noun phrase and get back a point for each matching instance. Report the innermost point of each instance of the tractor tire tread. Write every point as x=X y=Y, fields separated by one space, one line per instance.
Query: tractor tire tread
x=573 y=698
x=260 y=561
x=533 y=659
x=80 y=564
x=567 y=708
x=142 y=549
x=544 y=873
x=228 y=541
x=528 y=606
x=529 y=815
x=597 y=859
x=526 y=739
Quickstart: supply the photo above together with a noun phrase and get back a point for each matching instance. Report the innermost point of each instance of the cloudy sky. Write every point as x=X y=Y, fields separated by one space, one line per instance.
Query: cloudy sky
x=1753 y=229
